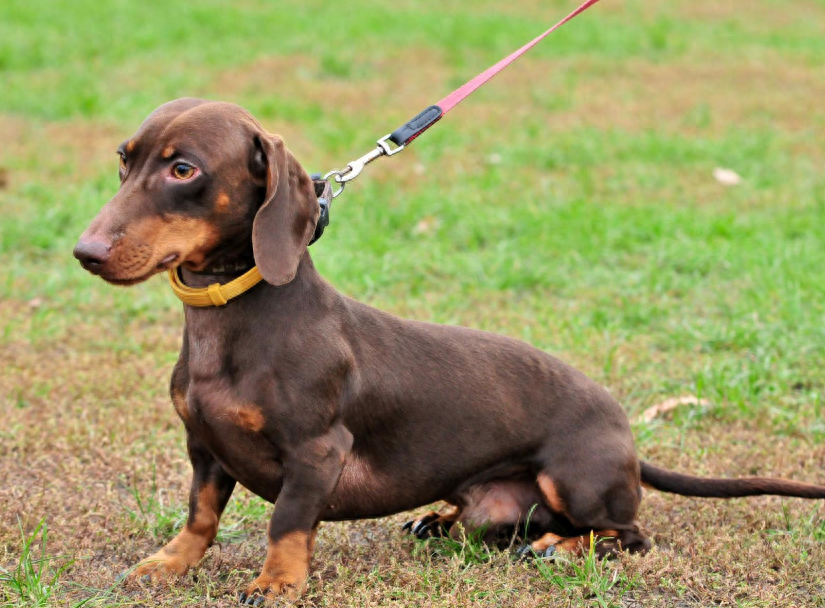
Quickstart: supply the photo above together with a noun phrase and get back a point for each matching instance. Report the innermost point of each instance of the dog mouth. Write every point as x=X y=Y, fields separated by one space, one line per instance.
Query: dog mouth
x=166 y=263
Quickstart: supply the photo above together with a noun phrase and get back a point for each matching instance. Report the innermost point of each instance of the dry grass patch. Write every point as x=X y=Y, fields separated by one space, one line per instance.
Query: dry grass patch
x=97 y=451
x=68 y=150
x=772 y=14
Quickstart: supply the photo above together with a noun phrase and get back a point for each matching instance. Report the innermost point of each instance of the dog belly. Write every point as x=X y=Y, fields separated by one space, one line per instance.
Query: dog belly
x=366 y=490
x=501 y=504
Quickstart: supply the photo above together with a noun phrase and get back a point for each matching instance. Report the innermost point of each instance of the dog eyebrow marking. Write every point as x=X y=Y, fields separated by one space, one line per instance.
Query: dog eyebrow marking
x=222 y=202
x=130 y=146
x=167 y=152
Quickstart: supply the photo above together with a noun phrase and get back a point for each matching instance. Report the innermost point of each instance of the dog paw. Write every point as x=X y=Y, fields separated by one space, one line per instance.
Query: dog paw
x=429 y=526
x=158 y=567
x=264 y=589
x=527 y=553
x=253 y=599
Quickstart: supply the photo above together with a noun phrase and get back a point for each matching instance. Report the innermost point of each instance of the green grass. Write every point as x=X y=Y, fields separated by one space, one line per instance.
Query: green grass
x=468 y=546
x=570 y=203
x=591 y=579
x=155 y=512
x=35 y=579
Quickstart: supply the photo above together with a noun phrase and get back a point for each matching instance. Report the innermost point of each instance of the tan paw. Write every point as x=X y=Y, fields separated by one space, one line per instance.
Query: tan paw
x=183 y=552
x=266 y=588
x=160 y=566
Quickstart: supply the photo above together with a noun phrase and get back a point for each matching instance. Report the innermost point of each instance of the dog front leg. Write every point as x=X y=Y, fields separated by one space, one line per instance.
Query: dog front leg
x=311 y=472
x=209 y=493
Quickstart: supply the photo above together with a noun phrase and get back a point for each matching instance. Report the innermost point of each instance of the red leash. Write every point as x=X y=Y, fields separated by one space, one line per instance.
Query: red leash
x=405 y=134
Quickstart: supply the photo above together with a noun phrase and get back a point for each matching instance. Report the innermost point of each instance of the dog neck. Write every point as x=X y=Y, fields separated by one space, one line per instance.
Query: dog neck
x=227 y=267
x=223 y=271
x=227 y=261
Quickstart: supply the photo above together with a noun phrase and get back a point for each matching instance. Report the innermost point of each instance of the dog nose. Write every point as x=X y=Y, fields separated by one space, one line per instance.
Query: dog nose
x=92 y=254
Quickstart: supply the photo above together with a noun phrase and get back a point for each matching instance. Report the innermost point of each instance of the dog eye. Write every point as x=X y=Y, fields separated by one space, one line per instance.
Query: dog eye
x=183 y=170
x=122 y=162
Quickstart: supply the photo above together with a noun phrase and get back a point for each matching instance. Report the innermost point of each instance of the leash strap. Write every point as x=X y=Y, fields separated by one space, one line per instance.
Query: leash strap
x=409 y=131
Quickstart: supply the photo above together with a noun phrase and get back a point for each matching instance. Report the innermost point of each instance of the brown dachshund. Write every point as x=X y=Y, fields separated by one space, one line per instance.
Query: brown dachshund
x=333 y=410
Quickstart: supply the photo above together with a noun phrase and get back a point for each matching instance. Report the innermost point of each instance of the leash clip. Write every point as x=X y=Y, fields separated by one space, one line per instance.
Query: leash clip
x=354 y=168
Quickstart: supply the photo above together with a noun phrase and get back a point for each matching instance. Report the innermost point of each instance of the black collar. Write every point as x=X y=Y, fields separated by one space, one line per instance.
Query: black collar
x=235 y=266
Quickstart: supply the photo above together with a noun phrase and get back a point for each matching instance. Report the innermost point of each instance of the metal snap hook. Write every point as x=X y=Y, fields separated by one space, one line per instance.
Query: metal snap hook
x=336 y=177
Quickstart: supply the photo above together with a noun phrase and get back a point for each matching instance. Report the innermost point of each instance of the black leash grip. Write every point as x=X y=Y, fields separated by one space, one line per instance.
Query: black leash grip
x=416 y=126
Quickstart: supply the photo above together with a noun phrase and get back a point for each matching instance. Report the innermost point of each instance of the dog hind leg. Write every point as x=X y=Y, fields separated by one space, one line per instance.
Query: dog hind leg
x=608 y=515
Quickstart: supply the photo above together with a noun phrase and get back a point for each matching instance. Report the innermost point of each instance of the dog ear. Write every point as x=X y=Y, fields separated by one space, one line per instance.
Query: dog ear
x=285 y=222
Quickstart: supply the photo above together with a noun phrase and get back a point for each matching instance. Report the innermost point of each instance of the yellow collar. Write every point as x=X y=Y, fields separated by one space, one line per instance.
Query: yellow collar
x=216 y=294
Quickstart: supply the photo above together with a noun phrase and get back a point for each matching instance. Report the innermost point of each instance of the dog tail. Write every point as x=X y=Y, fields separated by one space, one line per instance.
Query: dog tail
x=689 y=485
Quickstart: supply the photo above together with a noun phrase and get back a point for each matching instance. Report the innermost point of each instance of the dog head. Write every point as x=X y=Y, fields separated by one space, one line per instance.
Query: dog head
x=199 y=181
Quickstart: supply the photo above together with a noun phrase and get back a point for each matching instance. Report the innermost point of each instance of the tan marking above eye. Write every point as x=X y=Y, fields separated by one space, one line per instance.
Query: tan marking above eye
x=222 y=202
x=130 y=146
x=167 y=152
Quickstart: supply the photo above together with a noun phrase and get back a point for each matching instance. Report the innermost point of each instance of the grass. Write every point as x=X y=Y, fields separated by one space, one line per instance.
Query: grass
x=155 y=512
x=468 y=547
x=35 y=578
x=570 y=203
x=590 y=578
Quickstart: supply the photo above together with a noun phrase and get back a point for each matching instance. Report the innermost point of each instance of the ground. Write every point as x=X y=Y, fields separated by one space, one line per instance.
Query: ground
x=572 y=203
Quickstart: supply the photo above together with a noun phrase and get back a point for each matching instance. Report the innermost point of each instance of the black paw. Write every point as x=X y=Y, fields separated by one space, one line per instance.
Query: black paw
x=424 y=528
x=252 y=599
